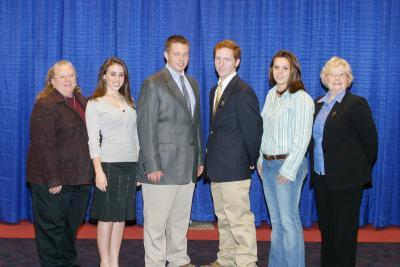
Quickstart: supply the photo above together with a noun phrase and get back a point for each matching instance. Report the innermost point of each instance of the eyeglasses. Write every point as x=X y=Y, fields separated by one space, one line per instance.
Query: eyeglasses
x=65 y=76
x=340 y=75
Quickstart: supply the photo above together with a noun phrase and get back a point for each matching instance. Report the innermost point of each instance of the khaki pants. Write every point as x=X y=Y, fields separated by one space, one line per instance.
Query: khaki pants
x=166 y=214
x=237 y=233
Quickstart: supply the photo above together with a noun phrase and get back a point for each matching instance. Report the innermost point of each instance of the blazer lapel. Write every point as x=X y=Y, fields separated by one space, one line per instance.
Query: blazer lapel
x=335 y=111
x=196 y=96
x=59 y=98
x=337 y=107
x=82 y=100
x=318 y=107
x=173 y=87
x=212 y=95
x=224 y=97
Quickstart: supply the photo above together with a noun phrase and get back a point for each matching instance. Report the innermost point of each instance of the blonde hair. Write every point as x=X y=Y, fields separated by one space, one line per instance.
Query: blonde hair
x=333 y=63
x=48 y=86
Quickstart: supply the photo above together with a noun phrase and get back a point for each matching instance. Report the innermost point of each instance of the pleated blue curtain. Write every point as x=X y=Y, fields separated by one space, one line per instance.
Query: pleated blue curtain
x=35 y=34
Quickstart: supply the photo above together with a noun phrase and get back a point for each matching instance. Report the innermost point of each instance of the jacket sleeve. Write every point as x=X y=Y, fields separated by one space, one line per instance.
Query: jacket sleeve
x=366 y=129
x=301 y=124
x=250 y=124
x=263 y=138
x=93 y=128
x=199 y=128
x=147 y=126
x=44 y=142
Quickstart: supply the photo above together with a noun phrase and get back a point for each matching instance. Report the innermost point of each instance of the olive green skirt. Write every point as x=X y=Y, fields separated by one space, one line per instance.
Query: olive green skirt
x=118 y=203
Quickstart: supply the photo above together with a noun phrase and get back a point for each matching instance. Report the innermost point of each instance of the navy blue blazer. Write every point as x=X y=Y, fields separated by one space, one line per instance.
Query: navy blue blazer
x=350 y=143
x=235 y=133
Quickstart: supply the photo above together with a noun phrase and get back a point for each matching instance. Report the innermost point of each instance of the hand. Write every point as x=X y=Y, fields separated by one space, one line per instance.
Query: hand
x=200 y=170
x=155 y=177
x=101 y=181
x=55 y=190
x=259 y=169
x=282 y=179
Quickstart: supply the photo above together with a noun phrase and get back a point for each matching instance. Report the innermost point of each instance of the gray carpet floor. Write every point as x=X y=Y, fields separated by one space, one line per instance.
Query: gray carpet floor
x=22 y=252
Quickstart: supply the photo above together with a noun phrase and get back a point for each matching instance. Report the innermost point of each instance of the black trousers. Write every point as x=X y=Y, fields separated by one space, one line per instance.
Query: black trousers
x=57 y=219
x=338 y=219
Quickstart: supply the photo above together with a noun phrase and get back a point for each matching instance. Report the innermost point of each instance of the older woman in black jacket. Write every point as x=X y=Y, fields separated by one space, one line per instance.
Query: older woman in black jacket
x=58 y=165
x=343 y=150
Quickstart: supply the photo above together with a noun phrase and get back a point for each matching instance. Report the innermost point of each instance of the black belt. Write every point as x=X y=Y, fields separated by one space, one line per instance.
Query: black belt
x=275 y=157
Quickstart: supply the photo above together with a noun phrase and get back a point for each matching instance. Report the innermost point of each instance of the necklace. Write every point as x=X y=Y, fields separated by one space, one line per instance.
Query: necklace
x=279 y=93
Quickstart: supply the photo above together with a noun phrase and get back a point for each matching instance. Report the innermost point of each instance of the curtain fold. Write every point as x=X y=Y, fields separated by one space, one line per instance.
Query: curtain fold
x=34 y=34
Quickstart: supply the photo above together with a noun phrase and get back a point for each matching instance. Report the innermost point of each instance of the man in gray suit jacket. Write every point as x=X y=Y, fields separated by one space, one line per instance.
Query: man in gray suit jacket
x=170 y=157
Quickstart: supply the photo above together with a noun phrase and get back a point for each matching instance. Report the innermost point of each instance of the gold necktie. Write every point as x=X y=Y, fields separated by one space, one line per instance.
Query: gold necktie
x=218 y=94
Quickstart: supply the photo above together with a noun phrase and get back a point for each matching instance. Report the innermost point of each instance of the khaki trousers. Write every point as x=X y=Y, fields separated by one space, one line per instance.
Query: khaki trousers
x=166 y=215
x=237 y=233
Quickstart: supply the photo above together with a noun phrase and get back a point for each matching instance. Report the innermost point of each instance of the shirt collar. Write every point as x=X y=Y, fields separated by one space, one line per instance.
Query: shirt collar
x=337 y=98
x=227 y=80
x=174 y=73
x=286 y=93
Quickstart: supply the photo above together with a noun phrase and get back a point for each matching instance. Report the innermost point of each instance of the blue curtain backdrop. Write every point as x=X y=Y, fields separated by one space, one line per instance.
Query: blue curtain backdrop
x=36 y=33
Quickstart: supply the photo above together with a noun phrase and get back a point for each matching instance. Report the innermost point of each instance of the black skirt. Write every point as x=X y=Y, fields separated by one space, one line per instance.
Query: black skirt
x=118 y=203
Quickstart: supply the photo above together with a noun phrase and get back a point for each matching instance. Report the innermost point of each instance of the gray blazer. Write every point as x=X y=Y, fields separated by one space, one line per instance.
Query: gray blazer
x=169 y=137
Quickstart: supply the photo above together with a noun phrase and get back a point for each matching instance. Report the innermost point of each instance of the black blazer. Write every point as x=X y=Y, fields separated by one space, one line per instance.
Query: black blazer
x=235 y=133
x=350 y=143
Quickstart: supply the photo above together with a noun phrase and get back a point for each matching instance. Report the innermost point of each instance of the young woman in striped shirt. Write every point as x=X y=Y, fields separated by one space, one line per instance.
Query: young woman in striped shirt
x=287 y=123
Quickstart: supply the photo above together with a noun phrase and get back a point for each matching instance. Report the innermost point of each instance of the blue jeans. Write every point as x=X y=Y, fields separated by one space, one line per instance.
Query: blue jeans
x=287 y=242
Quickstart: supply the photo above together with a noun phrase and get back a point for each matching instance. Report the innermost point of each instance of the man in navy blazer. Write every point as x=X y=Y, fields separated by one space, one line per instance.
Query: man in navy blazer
x=232 y=152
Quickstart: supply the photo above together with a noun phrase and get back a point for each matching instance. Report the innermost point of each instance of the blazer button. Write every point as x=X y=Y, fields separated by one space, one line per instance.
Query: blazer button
x=211 y=132
x=191 y=143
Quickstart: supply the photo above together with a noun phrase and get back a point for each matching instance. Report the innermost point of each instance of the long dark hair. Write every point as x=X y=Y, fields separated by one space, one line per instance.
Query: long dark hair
x=294 y=83
x=101 y=88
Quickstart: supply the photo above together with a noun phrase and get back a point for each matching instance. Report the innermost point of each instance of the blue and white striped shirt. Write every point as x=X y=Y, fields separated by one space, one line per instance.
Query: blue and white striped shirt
x=287 y=124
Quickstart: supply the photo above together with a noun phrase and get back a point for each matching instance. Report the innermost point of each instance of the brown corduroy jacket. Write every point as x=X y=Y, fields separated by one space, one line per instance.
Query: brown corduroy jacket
x=58 y=151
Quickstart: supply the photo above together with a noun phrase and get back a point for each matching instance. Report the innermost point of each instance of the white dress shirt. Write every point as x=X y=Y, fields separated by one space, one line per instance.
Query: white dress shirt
x=224 y=84
x=176 y=76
